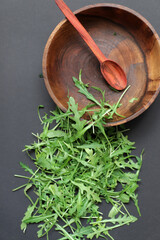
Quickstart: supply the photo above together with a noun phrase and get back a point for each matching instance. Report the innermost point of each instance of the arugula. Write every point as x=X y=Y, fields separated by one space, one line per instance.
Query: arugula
x=41 y=75
x=80 y=163
x=133 y=99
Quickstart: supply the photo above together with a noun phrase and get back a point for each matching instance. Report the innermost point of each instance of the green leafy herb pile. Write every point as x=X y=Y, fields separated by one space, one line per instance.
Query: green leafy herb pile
x=80 y=163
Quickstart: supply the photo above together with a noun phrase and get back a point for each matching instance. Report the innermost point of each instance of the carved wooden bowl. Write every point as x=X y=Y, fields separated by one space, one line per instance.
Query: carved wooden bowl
x=124 y=36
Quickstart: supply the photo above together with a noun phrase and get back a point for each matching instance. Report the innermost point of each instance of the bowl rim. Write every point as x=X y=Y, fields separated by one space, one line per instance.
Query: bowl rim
x=47 y=46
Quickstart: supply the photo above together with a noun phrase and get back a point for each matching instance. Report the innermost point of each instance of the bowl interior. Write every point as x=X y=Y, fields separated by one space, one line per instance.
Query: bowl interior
x=124 y=37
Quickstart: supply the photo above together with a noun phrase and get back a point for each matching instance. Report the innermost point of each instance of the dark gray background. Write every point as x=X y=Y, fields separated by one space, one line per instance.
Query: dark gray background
x=24 y=29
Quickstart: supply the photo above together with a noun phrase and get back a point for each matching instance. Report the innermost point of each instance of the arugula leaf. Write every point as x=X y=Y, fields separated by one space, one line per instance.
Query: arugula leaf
x=80 y=163
x=27 y=215
x=133 y=99
x=26 y=168
x=83 y=89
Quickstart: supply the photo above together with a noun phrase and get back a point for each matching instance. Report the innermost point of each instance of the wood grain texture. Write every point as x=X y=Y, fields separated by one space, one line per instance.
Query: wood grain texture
x=123 y=36
x=82 y=31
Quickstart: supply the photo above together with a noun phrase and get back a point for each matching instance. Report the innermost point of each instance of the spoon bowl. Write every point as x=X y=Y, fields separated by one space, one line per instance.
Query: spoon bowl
x=114 y=74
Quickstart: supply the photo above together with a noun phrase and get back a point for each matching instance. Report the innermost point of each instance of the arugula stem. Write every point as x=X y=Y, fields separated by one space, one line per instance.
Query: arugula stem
x=22 y=186
x=20 y=176
x=64 y=231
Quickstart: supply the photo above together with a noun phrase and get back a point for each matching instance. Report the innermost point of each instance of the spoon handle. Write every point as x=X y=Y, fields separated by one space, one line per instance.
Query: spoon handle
x=82 y=31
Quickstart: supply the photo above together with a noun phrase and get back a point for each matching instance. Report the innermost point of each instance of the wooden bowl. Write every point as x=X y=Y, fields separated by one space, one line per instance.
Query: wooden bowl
x=124 y=36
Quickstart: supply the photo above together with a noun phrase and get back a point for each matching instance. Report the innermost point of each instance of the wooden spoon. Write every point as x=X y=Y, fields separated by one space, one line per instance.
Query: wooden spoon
x=111 y=71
